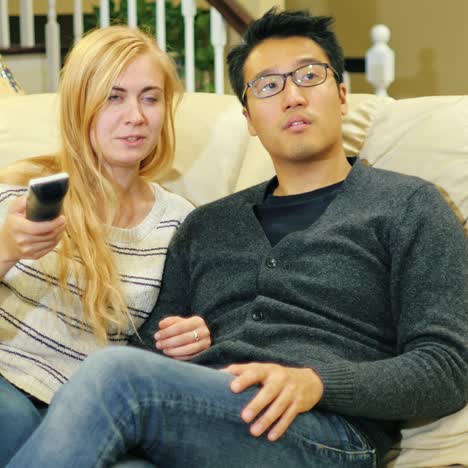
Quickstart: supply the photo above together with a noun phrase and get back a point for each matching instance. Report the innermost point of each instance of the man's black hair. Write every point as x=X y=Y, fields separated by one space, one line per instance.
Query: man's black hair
x=282 y=25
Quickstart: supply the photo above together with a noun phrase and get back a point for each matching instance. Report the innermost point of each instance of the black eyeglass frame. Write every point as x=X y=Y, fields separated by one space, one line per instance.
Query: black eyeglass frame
x=326 y=66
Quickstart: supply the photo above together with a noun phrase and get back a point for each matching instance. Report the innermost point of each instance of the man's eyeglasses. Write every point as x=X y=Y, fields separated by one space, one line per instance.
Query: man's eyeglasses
x=266 y=86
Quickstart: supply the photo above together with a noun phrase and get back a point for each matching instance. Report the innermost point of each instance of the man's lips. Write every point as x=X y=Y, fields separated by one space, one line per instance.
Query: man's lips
x=296 y=122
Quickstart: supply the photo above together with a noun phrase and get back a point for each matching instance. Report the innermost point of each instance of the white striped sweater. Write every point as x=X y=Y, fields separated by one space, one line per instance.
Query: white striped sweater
x=42 y=341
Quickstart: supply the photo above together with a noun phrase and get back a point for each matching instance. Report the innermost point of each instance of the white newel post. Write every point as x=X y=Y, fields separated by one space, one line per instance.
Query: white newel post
x=52 y=34
x=189 y=10
x=380 y=60
x=132 y=14
x=77 y=20
x=104 y=19
x=218 y=41
x=4 y=25
x=27 y=23
x=161 y=23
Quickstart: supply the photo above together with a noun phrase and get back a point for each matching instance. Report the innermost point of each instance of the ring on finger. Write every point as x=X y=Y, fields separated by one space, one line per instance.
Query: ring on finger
x=195 y=335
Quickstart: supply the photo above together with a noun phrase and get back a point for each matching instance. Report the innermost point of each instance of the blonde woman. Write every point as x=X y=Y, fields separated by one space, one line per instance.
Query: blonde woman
x=91 y=276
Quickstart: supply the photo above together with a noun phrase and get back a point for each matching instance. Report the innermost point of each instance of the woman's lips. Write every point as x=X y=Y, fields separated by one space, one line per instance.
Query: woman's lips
x=132 y=140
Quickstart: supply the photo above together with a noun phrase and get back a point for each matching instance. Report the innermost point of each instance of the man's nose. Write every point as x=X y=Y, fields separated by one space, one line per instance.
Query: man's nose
x=293 y=95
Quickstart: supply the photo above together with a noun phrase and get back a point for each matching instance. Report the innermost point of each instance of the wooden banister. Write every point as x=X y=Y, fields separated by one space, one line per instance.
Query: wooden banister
x=236 y=16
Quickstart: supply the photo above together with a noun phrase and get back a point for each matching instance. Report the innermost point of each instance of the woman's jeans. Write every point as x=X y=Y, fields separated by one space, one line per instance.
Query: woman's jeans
x=18 y=419
x=178 y=415
x=20 y=416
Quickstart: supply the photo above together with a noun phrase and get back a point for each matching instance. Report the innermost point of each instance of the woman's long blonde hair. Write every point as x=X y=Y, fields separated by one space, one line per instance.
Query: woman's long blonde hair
x=90 y=71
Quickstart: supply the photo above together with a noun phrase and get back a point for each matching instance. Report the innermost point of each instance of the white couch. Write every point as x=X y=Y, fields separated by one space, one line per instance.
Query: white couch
x=215 y=156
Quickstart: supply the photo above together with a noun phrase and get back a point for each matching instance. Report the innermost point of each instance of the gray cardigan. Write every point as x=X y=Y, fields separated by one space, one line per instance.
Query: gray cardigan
x=372 y=296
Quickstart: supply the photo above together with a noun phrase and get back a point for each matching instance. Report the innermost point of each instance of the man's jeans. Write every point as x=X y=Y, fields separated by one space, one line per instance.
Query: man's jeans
x=178 y=415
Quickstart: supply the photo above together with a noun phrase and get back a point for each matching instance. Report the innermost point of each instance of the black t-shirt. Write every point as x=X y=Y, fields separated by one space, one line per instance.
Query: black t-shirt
x=280 y=216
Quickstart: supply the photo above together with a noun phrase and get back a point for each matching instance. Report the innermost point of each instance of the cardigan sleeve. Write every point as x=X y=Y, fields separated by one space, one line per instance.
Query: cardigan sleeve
x=174 y=294
x=429 y=288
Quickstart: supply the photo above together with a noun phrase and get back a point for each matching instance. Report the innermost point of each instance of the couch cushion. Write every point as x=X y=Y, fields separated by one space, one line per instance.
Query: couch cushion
x=211 y=138
x=442 y=442
x=426 y=137
x=28 y=126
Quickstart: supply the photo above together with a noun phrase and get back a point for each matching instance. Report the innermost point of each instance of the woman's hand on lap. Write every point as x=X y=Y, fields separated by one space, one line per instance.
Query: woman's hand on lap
x=182 y=338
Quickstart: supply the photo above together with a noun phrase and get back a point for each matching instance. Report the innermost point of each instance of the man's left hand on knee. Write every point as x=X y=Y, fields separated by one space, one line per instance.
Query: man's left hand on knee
x=285 y=392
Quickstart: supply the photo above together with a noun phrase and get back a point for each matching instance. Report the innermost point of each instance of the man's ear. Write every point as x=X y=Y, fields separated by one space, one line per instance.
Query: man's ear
x=342 y=95
x=245 y=113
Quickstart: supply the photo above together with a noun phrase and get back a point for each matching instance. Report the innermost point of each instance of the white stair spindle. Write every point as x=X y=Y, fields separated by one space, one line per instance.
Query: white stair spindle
x=189 y=11
x=27 y=23
x=161 y=24
x=380 y=60
x=132 y=14
x=77 y=20
x=104 y=19
x=218 y=40
x=4 y=25
x=52 y=34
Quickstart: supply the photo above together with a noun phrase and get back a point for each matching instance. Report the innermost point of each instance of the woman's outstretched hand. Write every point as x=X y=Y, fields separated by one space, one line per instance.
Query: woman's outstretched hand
x=21 y=238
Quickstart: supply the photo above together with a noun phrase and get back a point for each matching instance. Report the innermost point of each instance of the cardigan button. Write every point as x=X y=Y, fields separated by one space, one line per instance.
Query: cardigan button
x=271 y=263
x=257 y=316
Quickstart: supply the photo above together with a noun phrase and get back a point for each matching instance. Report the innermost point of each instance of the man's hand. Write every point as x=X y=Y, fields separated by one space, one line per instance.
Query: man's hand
x=182 y=338
x=285 y=393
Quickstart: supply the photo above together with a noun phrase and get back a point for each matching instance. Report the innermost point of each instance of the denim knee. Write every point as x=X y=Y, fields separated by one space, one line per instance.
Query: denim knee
x=112 y=366
x=114 y=361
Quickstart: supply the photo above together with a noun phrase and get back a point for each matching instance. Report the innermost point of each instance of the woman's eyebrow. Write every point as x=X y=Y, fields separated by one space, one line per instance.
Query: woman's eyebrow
x=144 y=90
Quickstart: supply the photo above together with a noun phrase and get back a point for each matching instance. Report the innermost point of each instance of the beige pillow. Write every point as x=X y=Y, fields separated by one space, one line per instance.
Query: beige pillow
x=426 y=137
x=211 y=136
x=427 y=444
x=28 y=126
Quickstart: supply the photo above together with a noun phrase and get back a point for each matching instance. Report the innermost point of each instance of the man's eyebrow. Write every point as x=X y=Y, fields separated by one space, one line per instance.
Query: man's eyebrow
x=298 y=63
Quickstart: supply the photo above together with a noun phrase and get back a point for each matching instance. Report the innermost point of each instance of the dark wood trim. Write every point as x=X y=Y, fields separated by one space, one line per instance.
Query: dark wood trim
x=234 y=14
x=37 y=49
x=19 y=50
x=355 y=64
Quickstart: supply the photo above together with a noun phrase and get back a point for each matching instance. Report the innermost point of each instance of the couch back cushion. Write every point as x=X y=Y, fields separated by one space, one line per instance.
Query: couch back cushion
x=215 y=155
x=426 y=137
x=28 y=126
x=211 y=140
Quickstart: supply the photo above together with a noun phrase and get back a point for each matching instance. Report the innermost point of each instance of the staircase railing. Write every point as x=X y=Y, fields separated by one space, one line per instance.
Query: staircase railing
x=378 y=63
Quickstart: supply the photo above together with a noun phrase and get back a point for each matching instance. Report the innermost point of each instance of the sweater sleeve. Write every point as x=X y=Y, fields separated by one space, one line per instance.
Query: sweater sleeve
x=174 y=294
x=429 y=287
